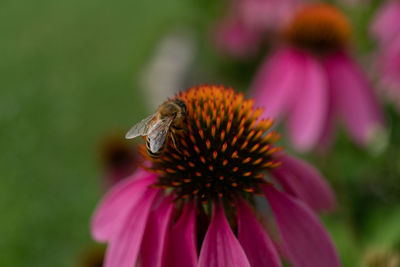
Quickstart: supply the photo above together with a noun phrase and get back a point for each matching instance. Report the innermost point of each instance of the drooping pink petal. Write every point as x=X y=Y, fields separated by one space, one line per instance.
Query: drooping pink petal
x=303 y=237
x=385 y=24
x=182 y=246
x=124 y=246
x=308 y=114
x=154 y=240
x=220 y=247
x=258 y=246
x=277 y=82
x=301 y=180
x=354 y=97
x=116 y=204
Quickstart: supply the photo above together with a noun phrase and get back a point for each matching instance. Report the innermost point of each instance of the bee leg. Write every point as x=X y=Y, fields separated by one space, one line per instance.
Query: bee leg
x=174 y=142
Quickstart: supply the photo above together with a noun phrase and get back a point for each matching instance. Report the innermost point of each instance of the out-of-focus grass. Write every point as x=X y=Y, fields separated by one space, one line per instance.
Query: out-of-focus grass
x=68 y=75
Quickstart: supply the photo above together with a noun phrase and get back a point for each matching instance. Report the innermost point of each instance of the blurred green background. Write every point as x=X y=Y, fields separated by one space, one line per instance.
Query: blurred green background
x=70 y=74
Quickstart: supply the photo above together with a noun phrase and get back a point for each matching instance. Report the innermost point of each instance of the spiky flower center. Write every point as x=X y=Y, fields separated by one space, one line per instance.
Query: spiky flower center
x=320 y=28
x=224 y=150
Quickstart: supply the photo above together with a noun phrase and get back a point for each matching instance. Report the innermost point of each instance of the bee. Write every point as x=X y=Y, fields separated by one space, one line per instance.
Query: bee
x=165 y=122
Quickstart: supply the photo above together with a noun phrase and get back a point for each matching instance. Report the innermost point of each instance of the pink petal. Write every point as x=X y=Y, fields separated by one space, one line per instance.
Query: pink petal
x=124 y=247
x=154 y=240
x=220 y=247
x=304 y=238
x=276 y=83
x=301 y=180
x=116 y=204
x=354 y=97
x=385 y=25
x=182 y=246
x=258 y=246
x=308 y=114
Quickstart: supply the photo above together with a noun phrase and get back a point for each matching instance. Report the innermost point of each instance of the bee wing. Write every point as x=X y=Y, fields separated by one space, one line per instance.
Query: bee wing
x=158 y=134
x=139 y=129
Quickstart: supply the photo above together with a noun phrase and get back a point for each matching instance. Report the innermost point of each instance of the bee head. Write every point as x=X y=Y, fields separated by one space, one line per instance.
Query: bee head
x=181 y=104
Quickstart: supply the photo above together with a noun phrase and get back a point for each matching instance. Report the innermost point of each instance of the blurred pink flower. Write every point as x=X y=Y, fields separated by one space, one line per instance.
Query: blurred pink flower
x=249 y=22
x=195 y=207
x=312 y=79
x=386 y=30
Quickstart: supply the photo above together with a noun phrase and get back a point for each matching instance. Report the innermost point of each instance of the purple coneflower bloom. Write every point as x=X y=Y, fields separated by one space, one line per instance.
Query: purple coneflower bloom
x=312 y=79
x=195 y=205
x=386 y=30
x=248 y=22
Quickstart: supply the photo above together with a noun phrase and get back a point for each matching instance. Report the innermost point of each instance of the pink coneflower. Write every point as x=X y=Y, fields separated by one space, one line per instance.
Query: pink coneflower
x=195 y=205
x=386 y=30
x=312 y=79
x=248 y=22
x=119 y=159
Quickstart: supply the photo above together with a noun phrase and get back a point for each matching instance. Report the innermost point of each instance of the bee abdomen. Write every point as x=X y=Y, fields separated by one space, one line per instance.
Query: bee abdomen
x=153 y=154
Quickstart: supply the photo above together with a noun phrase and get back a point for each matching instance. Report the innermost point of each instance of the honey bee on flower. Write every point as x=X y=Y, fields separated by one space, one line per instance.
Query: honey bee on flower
x=165 y=122
x=194 y=204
